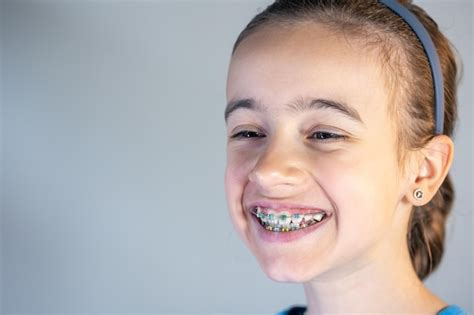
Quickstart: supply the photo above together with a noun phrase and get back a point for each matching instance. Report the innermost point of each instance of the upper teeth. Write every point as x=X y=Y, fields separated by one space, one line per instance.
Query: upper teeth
x=284 y=218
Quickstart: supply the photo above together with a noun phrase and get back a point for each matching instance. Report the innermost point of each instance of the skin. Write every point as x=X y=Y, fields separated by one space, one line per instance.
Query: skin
x=359 y=260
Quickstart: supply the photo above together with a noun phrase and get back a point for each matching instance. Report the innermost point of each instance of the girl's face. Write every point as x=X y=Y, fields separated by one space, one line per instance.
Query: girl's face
x=308 y=130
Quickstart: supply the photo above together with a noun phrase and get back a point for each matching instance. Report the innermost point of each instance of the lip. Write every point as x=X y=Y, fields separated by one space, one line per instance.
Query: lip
x=289 y=207
x=285 y=237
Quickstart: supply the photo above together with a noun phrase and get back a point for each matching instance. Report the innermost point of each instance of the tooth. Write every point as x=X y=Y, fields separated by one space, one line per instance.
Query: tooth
x=263 y=217
x=303 y=223
x=308 y=217
x=318 y=216
x=254 y=211
x=284 y=219
x=272 y=218
x=296 y=218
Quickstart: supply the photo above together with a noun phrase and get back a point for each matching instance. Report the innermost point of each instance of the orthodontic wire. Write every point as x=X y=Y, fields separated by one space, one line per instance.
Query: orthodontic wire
x=430 y=50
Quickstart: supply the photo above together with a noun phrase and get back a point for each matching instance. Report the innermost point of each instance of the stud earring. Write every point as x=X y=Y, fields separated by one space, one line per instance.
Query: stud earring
x=418 y=194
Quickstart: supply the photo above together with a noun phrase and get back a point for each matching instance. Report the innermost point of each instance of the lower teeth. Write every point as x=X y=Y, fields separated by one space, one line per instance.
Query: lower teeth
x=291 y=228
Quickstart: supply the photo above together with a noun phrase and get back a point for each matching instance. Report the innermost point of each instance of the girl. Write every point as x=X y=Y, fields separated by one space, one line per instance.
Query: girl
x=339 y=124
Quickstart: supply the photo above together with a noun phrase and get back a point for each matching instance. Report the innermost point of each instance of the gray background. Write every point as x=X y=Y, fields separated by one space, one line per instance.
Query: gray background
x=113 y=156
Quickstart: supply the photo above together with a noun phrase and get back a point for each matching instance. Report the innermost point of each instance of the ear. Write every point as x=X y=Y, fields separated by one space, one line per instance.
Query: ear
x=434 y=163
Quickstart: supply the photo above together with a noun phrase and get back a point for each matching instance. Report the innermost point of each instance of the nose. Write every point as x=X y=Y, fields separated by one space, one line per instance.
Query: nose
x=280 y=170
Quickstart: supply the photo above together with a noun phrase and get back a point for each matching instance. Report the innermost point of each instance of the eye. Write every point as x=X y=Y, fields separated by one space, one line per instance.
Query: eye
x=326 y=136
x=248 y=134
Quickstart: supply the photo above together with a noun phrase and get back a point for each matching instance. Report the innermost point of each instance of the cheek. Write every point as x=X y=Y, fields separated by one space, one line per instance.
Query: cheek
x=235 y=180
x=364 y=192
x=239 y=165
x=236 y=174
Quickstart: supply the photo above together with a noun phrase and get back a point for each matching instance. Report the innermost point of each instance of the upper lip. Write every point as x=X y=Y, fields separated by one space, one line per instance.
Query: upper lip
x=285 y=206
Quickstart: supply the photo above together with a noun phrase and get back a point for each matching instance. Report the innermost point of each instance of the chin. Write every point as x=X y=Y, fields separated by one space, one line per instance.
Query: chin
x=287 y=270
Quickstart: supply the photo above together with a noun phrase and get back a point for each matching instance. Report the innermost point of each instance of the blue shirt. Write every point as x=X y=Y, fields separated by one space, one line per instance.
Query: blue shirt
x=448 y=310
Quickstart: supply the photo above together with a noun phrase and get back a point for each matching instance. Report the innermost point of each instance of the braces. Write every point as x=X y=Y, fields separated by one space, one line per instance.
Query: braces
x=280 y=228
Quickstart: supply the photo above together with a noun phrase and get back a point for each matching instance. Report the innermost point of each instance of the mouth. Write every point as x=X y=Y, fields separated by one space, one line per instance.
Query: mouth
x=287 y=221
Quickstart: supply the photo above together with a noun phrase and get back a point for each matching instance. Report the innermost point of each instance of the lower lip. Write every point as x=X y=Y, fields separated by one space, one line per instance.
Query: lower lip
x=285 y=237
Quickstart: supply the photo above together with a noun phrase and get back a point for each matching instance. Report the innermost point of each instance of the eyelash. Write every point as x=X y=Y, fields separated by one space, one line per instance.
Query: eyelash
x=245 y=134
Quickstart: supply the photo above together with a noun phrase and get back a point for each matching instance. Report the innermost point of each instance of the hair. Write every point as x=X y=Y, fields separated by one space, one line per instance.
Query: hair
x=409 y=78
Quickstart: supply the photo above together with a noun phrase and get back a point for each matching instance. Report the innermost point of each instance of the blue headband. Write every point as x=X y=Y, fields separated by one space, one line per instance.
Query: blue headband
x=431 y=53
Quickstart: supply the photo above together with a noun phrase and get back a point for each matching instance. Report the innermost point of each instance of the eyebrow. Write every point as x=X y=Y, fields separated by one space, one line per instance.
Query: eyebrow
x=299 y=105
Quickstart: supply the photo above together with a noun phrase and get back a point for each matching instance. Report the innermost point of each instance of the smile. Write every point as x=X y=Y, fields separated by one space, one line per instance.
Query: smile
x=284 y=221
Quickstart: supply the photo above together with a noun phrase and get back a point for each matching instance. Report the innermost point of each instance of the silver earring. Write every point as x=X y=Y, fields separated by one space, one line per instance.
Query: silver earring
x=418 y=194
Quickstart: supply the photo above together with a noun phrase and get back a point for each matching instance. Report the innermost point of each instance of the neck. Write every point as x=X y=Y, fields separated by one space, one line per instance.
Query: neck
x=386 y=282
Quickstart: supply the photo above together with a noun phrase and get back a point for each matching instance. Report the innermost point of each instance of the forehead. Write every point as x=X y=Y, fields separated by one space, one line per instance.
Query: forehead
x=275 y=64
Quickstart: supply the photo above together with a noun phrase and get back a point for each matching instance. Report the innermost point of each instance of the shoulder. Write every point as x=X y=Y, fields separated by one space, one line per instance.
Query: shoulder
x=452 y=310
x=448 y=310
x=294 y=310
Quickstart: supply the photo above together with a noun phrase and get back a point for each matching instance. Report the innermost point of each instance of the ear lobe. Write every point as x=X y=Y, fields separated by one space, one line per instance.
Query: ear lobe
x=436 y=160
